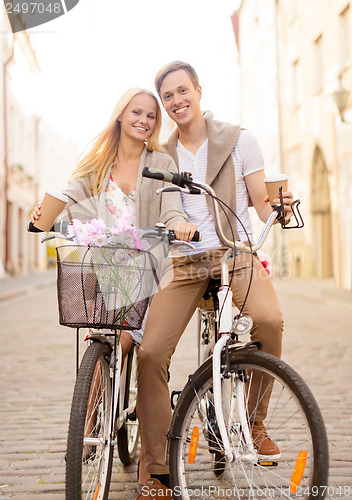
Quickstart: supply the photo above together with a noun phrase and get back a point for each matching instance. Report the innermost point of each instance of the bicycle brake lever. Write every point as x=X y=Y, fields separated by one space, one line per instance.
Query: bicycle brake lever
x=180 y=242
x=281 y=213
x=55 y=236
x=186 y=190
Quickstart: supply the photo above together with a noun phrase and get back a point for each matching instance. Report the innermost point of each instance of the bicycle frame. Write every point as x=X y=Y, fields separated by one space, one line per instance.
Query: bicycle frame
x=225 y=317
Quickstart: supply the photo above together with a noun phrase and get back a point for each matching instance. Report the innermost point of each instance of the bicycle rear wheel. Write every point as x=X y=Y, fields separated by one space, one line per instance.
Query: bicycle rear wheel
x=128 y=434
x=293 y=422
x=89 y=451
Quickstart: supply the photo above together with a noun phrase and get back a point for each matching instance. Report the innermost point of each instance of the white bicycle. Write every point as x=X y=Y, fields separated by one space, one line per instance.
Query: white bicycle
x=212 y=450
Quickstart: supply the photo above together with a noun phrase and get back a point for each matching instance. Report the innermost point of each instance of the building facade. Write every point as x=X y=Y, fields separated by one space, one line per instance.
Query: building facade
x=296 y=60
x=33 y=157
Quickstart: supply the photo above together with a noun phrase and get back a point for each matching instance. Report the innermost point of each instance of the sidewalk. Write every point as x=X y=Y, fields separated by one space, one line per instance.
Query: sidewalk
x=36 y=400
x=318 y=291
x=321 y=291
x=20 y=285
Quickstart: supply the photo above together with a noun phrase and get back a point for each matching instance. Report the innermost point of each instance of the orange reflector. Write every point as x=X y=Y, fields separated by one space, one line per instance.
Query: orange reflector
x=96 y=492
x=193 y=445
x=299 y=471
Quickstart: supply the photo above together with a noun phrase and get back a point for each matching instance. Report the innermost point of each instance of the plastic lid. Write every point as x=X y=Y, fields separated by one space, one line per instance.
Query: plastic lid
x=275 y=178
x=57 y=195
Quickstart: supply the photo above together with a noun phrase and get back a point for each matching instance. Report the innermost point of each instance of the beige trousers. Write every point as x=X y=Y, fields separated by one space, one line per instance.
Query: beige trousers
x=183 y=284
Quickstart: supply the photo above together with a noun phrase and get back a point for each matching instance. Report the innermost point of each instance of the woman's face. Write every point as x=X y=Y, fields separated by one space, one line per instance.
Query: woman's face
x=138 y=119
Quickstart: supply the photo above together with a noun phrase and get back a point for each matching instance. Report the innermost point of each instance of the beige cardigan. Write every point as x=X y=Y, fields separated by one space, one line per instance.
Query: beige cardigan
x=222 y=139
x=150 y=207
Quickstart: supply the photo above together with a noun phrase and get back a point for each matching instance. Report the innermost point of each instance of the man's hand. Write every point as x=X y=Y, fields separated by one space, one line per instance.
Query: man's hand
x=287 y=198
x=185 y=231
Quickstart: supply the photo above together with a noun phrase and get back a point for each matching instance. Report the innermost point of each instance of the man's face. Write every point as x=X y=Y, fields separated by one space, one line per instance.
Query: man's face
x=179 y=97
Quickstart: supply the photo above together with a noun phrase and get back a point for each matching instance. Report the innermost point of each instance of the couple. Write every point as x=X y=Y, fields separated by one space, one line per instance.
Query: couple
x=229 y=159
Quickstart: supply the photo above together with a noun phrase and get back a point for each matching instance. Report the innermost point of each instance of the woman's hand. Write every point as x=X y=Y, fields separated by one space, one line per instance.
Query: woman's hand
x=185 y=231
x=36 y=212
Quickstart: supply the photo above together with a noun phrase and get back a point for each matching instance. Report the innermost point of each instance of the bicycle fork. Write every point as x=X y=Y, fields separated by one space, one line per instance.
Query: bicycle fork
x=223 y=387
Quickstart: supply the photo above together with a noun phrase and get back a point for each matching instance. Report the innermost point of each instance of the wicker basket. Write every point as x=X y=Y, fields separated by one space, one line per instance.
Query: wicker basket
x=104 y=287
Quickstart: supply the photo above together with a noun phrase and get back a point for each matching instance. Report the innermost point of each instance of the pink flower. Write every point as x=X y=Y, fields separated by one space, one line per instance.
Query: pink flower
x=96 y=226
x=265 y=261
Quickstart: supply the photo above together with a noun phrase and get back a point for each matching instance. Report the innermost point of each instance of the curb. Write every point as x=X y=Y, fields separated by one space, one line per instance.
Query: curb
x=25 y=290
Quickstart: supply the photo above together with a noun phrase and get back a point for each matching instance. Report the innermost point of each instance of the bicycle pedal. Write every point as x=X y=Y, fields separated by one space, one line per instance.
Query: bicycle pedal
x=268 y=463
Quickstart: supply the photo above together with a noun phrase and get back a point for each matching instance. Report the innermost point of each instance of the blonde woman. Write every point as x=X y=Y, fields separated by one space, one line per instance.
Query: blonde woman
x=108 y=178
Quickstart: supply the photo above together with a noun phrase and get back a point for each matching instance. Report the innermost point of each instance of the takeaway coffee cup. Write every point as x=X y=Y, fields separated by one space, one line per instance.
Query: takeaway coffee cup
x=52 y=205
x=273 y=184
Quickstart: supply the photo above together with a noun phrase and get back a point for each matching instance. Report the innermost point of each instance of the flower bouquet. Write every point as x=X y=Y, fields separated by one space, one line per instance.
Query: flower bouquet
x=111 y=272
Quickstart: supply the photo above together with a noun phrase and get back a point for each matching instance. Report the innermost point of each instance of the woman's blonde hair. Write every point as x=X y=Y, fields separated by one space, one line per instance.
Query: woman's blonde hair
x=103 y=150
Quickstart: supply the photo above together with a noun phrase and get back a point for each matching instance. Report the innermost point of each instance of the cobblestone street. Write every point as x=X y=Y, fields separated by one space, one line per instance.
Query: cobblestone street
x=37 y=373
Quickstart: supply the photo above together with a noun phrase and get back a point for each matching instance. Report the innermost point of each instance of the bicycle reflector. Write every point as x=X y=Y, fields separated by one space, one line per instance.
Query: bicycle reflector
x=298 y=471
x=95 y=497
x=193 y=445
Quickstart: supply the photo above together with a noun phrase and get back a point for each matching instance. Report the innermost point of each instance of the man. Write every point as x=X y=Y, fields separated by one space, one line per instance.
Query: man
x=229 y=159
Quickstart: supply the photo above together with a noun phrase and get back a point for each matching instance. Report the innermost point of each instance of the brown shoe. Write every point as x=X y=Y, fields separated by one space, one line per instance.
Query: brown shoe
x=154 y=490
x=266 y=448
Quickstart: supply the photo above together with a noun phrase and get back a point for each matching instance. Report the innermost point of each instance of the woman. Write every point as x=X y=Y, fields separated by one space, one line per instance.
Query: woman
x=108 y=178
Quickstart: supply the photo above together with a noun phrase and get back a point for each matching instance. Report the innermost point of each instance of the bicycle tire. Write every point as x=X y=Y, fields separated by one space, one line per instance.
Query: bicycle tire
x=293 y=421
x=88 y=466
x=128 y=434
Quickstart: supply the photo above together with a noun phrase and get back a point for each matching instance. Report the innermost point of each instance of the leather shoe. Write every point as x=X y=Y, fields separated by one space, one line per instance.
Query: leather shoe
x=154 y=490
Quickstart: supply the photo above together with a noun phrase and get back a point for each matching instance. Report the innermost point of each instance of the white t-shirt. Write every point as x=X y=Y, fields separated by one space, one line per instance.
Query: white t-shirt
x=247 y=159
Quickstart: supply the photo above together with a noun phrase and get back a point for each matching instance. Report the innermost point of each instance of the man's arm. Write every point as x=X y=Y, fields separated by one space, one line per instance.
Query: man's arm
x=257 y=192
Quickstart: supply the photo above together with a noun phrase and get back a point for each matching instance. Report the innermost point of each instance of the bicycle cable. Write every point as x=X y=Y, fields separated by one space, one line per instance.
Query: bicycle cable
x=222 y=204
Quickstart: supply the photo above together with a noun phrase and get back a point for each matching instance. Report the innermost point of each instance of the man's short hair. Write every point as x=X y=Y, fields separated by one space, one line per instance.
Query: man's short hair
x=175 y=66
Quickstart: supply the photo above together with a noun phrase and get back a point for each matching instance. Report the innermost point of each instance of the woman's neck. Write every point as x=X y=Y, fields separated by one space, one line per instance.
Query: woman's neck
x=129 y=151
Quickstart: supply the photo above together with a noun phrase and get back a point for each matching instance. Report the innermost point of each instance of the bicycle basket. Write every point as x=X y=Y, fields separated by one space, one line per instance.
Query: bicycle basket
x=104 y=287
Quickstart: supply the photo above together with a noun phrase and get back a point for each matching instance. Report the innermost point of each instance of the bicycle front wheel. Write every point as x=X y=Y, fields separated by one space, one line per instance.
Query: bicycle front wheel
x=293 y=421
x=89 y=450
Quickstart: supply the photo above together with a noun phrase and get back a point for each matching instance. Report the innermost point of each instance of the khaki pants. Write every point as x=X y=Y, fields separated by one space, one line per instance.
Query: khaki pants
x=184 y=282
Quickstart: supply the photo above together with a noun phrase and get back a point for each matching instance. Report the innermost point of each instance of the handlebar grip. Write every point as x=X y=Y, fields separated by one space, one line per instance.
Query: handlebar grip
x=160 y=175
x=196 y=237
x=181 y=179
x=58 y=227
x=32 y=229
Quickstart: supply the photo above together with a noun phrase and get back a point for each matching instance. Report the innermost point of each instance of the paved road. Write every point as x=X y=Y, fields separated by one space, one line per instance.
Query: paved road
x=37 y=371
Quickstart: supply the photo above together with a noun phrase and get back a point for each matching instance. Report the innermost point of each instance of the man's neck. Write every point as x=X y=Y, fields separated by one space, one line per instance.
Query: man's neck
x=193 y=134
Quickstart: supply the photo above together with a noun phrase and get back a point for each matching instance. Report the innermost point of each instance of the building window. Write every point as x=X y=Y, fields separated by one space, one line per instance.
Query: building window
x=344 y=42
x=318 y=65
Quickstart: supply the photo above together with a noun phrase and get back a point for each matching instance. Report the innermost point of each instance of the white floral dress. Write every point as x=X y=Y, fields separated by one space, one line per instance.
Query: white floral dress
x=116 y=200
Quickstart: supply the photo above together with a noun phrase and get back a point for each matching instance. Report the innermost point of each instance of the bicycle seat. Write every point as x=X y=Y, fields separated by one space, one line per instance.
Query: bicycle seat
x=207 y=302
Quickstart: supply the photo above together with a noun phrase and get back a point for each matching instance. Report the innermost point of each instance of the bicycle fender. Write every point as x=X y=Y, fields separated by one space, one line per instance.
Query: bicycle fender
x=96 y=337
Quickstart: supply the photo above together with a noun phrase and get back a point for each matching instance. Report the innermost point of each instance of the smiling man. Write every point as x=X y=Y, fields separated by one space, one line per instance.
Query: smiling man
x=229 y=159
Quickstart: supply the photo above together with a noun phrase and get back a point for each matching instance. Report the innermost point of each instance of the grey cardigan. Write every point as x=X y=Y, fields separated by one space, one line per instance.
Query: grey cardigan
x=150 y=207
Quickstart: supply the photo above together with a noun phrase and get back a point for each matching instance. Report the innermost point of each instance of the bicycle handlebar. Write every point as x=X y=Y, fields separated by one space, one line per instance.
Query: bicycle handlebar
x=184 y=180
x=160 y=231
